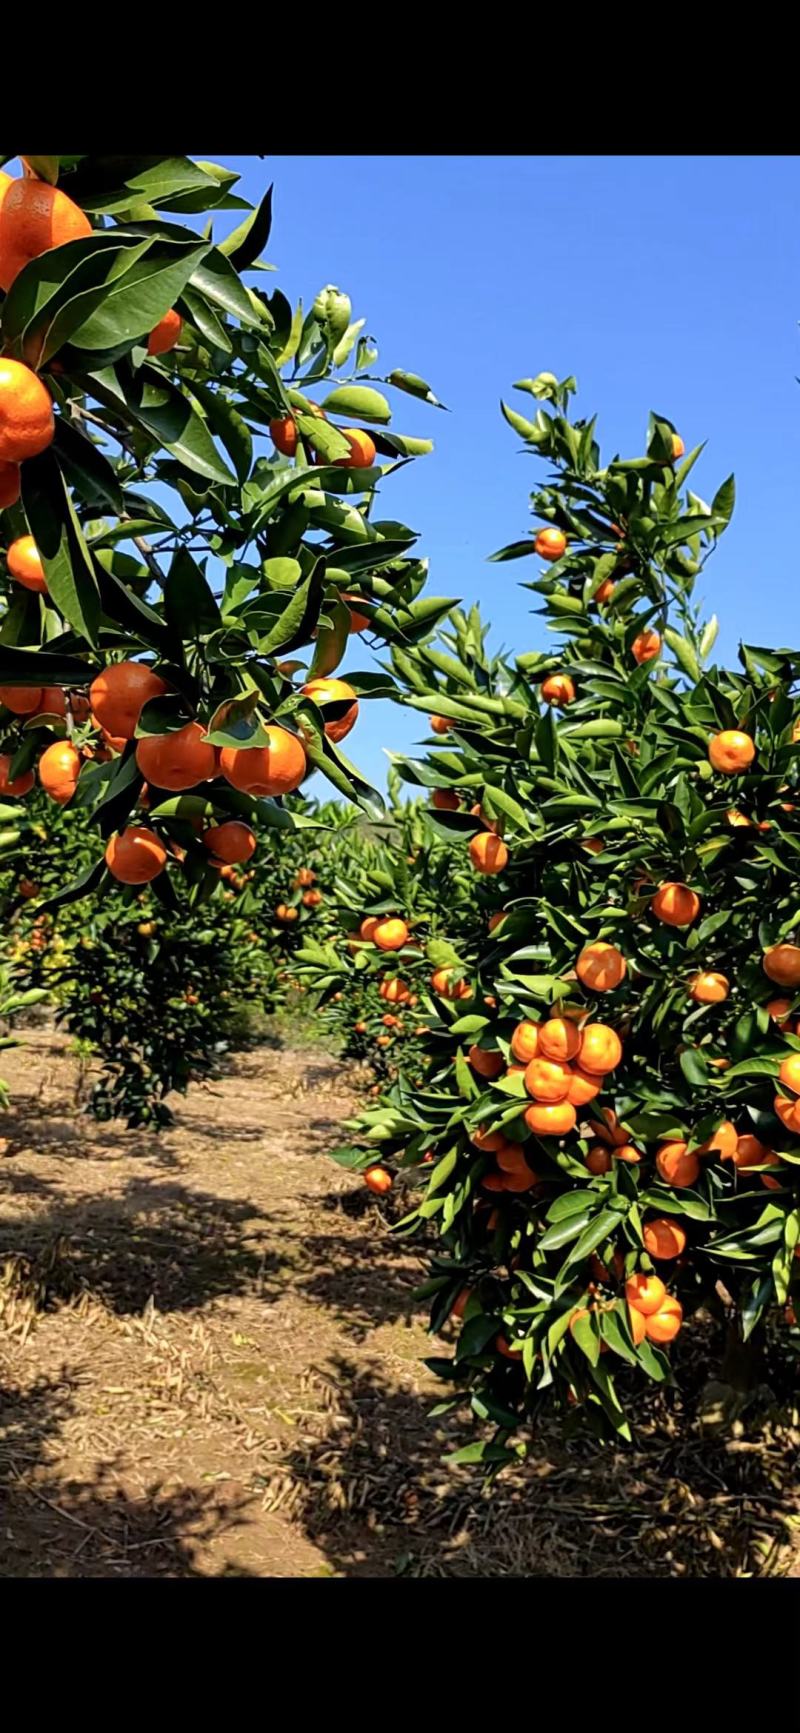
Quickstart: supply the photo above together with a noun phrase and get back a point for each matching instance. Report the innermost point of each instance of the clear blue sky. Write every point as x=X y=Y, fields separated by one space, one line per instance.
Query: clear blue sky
x=670 y=283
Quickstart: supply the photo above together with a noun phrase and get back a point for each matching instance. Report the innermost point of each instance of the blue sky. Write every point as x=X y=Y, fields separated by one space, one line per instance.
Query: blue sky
x=670 y=283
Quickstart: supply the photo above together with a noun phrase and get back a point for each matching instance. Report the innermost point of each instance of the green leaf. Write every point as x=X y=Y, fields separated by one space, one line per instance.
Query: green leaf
x=724 y=500
x=683 y=653
x=526 y=429
x=189 y=603
x=359 y=403
x=45 y=168
x=54 y=525
x=415 y=386
x=229 y=426
x=90 y=880
x=138 y=298
x=246 y=242
x=85 y=468
x=168 y=415
x=295 y=621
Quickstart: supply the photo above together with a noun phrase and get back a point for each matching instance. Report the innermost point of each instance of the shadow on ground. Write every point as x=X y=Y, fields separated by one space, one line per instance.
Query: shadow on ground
x=92 y=1527
x=154 y=1240
x=375 y=1496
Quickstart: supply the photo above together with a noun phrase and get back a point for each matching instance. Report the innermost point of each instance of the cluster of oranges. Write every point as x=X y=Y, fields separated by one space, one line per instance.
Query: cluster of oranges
x=653 y=1313
x=174 y=761
x=285 y=436
x=35 y=218
x=311 y=897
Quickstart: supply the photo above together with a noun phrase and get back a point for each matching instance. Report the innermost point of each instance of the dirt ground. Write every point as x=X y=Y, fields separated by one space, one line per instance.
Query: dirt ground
x=209 y=1366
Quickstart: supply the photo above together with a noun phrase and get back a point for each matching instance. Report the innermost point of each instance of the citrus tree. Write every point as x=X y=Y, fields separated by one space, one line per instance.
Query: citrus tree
x=188 y=536
x=613 y=1108
x=394 y=887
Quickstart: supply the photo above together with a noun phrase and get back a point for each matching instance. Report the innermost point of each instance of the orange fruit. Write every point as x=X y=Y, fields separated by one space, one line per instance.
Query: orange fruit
x=676 y=905
x=722 y=1142
x=442 y=982
x=789 y=1073
x=601 y=1049
x=304 y=877
x=731 y=751
x=601 y=967
x=277 y=768
x=285 y=912
x=489 y=1141
x=24 y=564
x=626 y=1152
x=557 y=689
x=390 y=933
x=751 y=1152
x=664 y=1238
x=119 y=694
x=504 y=1348
x=788 y=1113
x=550 y=1119
x=678 y=447
x=312 y=899
x=165 y=334
x=9 y=485
x=605 y=591
x=646 y=1293
x=445 y=800
x=559 y=1039
x=59 y=767
x=510 y=1157
x=709 y=988
x=358 y=621
x=488 y=853
x=486 y=1063
x=18 y=785
x=638 y=1326
x=598 y=1158
x=519 y=1176
x=778 y=1009
x=27 y=424
x=550 y=544
x=367 y=928
x=582 y=1087
x=334 y=692
x=33 y=218
x=609 y=1129
x=525 y=1041
x=547 y=1080
x=593 y=844
x=283 y=433
x=232 y=841
x=52 y=702
x=646 y=646
x=441 y=724
x=663 y=1325
x=377 y=1178
x=135 y=856
x=676 y=1165
x=395 y=992
x=362 y=449
x=177 y=760
x=782 y=964
x=459 y=1304
x=23 y=700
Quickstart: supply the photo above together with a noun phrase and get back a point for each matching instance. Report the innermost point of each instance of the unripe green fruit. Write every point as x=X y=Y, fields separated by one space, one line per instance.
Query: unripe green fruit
x=332 y=309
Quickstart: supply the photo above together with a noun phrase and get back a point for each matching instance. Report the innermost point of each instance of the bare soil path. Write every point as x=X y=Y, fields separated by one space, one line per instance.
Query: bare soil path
x=208 y=1367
